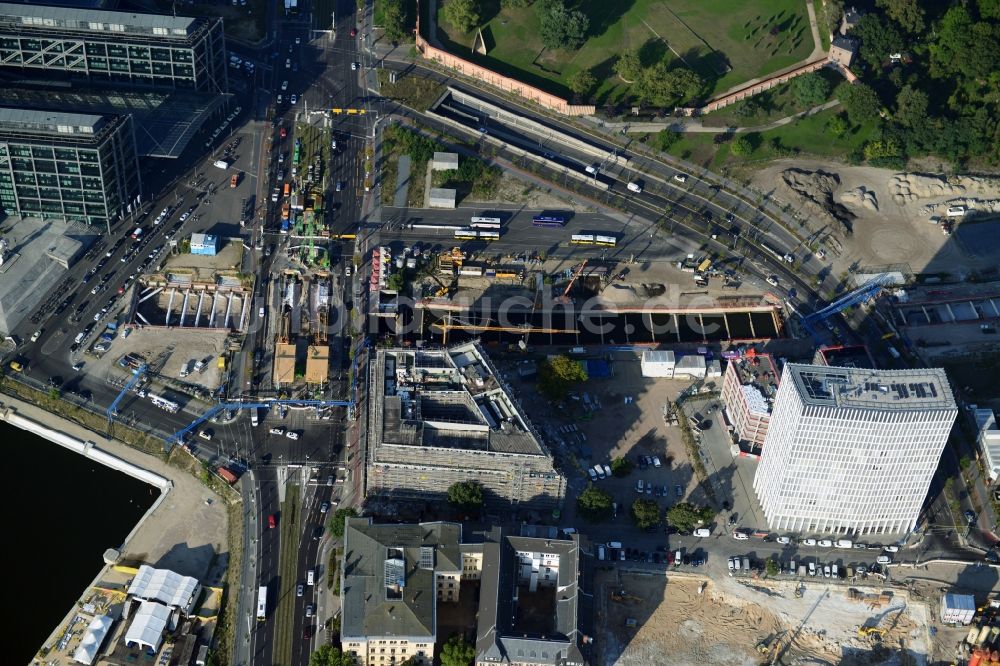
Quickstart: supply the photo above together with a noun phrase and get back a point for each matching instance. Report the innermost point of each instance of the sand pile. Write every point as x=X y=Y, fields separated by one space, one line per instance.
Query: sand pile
x=861 y=196
x=814 y=190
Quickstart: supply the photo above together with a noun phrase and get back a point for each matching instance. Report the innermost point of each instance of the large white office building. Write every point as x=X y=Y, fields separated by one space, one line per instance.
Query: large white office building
x=852 y=450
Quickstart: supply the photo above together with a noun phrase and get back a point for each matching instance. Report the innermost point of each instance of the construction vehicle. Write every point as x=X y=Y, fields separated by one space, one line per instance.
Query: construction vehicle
x=874 y=633
x=564 y=298
x=624 y=597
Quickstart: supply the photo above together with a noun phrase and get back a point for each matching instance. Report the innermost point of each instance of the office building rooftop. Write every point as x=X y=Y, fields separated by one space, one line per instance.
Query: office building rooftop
x=104 y=22
x=863 y=388
x=59 y=123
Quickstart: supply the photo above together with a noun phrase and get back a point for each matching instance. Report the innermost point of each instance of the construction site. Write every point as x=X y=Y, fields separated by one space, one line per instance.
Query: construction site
x=437 y=417
x=302 y=327
x=508 y=299
x=687 y=619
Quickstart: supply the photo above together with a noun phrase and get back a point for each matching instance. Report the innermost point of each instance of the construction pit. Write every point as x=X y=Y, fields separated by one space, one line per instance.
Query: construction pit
x=651 y=619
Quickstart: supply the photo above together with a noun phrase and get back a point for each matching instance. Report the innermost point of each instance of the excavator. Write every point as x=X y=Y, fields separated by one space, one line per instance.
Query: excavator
x=874 y=633
x=622 y=597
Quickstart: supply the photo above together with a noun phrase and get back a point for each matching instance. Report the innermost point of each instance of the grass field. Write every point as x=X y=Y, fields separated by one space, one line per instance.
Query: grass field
x=806 y=136
x=726 y=42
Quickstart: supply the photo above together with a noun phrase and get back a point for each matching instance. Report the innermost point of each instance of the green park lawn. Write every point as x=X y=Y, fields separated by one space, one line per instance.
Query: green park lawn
x=727 y=42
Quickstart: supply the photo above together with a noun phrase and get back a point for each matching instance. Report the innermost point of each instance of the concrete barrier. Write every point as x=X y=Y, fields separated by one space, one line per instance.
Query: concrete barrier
x=86 y=448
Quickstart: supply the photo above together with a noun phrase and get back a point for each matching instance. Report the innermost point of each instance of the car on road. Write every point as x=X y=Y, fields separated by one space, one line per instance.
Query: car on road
x=300 y=590
x=277 y=430
x=298 y=40
x=808 y=542
x=324 y=507
x=354 y=32
x=883 y=559
x=295 y=98
x=702 y=532
x=37 y=334
x=291 y=434
x=283 y=132
x=772 y=280
x=284 y=86
x=309 y=610
x=783 y=540
x=680 y=177
x=288 y=63
x=307 y=632
x=970 y=516
x=78 y=366
x=740 y=536
x=825 y=543
x=205 y=434
x=860 y=546
x=186 y=214
x=891 y=549
x=272 y=521
x=340 y=185
x=354 y=66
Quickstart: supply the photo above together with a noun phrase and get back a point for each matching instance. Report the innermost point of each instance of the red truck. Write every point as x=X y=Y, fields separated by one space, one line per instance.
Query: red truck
x=229 y=477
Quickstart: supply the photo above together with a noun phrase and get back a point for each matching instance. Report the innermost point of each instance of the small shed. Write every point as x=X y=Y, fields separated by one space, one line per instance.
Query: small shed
x=205 y=244
x=441 y=197
x=691 y=365
x=851 y=18
x=657 y=363
x=444 y=161
x=957 y=608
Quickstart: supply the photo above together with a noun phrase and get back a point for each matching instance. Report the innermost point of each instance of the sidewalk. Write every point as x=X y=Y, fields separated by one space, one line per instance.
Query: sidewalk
x=697 y=125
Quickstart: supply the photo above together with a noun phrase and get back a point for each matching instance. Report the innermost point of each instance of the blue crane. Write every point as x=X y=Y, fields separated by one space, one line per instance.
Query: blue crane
x=137 y=375
x=863 y=293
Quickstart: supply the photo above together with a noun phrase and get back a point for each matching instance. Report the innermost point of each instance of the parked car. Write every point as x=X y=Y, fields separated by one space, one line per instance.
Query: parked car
x=783 y=539
x=808 y=542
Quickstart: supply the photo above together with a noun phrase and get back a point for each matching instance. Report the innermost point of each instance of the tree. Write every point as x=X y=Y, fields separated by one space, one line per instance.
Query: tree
x=594 y=504
x=964 y=46
x=665 y=138
x=393 y=18
x=621 y=467
x=558 y=375
x=745 y=144
x=327 y=655
x=457 y=652
x=463 y=14
x=860 y=100
x=878 y=39
x=645 y=513
x=911 y=106
x=628 y=66
x=771 y=567
x=336 y=522
x=837 y=126
x=466 y=495
x=582 y=82
x=561 y=27
x=515 y=4
x=396 y=282
x=812 y=89
x=660 y=86
x=833 y=12
x=686 y=516
x=906 y=13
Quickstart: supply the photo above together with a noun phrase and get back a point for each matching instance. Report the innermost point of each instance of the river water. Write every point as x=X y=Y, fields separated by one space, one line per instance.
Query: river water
x=63 y=511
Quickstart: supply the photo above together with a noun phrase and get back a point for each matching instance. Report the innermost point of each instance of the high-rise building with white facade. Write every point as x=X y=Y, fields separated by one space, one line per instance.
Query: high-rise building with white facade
x=853 y=450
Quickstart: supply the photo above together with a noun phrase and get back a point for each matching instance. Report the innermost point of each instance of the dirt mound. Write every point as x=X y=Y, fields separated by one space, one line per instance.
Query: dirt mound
x=909 y=187
x=861 y=196
x=815 y=190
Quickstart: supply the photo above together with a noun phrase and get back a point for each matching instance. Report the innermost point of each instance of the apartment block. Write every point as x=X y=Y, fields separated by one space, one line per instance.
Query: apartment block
x=69 y=166
x=395 y=577
x=437 y=417
x=853 y=450
x=119 y=48
x=748 y=389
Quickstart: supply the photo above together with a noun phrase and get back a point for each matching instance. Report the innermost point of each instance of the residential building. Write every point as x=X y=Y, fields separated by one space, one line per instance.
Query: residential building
x=69 y=166
x=988 y=437
x=114 y=47
x=748 y=389
x=394 y=578
x=852 y=450
x=847 y=356
x=843 y=50
x=437 y=417
x=851 y=18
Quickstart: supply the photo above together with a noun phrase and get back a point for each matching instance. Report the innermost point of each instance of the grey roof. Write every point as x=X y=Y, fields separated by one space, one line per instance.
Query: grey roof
x=371 y=552
x=498 y=639
x=862 y=388
x=61 y=123
x=96 y=21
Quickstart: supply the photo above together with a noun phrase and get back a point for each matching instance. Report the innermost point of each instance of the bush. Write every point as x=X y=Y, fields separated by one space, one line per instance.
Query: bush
x=686 y=516
x=594 y=504
x=645 y=513
x=621 y=467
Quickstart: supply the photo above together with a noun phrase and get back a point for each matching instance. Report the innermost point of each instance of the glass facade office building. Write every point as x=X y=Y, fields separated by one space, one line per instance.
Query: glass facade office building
x=115 y=47
x=69 y=166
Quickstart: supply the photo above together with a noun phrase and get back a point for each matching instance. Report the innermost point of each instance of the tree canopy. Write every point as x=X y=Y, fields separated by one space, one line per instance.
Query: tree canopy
x=466 y=495
x=660 y=86
x=860 y=101
x=327 y=655
x=336 y=522
x=561 y=27
x=594 y=504
x=457 y=652
x=686 y=516
x=582 y=82
x=558 y=375
x=393 y=18
x=812 y=89
x=621 y=466
x=878 y=38
x=645 y=513
x=628 y=66
x=464 y=15
x=908 y=14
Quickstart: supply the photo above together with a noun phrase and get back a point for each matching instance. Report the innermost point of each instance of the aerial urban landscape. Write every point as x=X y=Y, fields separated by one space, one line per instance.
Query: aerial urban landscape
x=482 y=332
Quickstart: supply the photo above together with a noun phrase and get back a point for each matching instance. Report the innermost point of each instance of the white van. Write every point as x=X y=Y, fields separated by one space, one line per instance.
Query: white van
x=634 y=187
x=591 y=169
x=600 y=471
x=702 y=532
x=883 y=559
x=79 y=338
x=956 y=211
x=656 y=461
x=740 y=536
x=311 y=577
x=844 y=543
x=639 y=486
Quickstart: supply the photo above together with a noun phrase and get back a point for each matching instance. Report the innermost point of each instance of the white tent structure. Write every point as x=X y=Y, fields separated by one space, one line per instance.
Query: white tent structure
x=166 y=587
x=148 y=624
x=92 y=639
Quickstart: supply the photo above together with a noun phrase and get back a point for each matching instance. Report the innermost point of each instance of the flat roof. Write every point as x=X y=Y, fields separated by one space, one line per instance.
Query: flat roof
x=853 y=356
x=100 y=21
x=863 y=388
x=60 y=123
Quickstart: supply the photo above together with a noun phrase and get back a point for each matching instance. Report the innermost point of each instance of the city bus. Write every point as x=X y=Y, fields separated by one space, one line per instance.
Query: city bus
x=486 y=223
x=262 y=603
x=476 y=234
x=593 y=239
x=548 y=221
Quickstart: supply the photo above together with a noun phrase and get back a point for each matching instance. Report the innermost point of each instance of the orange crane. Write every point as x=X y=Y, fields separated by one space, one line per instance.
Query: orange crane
x=576 y=274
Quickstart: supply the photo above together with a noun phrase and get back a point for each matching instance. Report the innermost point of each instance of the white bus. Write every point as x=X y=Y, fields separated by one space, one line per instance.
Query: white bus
x=262 y=603
x=486 y=223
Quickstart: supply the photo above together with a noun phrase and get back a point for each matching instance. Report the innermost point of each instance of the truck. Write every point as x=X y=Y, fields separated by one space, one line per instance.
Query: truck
x=634 y=187
x=227 y=476
x=234 y=180
x=221 y=164
x=285 y=211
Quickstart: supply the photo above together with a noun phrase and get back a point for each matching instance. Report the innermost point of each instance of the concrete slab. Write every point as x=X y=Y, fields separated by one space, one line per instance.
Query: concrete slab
x=402 y=181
